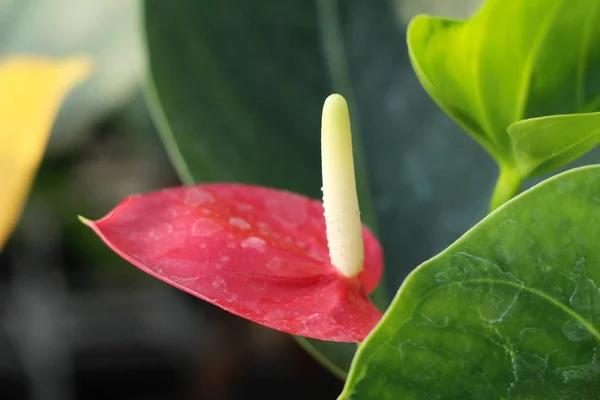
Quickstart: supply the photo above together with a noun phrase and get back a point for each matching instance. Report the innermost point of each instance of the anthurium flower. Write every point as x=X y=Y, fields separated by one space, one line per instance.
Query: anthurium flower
x=31 y=91
x=276 y=258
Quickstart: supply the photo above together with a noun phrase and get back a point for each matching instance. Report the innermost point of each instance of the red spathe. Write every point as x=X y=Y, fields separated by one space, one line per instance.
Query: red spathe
x=256 y=252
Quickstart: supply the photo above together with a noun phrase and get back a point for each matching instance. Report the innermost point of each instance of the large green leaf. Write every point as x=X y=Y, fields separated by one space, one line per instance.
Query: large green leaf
x=509 y=311
x=237 y=90
x=512 y=60
x=546 y=144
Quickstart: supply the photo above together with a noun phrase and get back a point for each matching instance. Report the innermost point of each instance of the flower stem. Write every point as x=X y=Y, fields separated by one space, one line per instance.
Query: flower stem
x=508 y=186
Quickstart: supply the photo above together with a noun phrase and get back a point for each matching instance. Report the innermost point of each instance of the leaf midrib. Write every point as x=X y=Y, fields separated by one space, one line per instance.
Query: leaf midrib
x=585 y=49
x=529 y=63
x=569 y=311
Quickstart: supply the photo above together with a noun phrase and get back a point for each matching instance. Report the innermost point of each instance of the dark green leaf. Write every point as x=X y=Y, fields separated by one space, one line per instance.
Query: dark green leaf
x=512 y=60
x=237 y=93
x=237 y=97
x=509 y=311
x=546 y=144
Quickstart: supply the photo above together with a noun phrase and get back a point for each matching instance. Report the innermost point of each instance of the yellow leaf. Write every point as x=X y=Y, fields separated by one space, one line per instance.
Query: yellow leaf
x=32 y=90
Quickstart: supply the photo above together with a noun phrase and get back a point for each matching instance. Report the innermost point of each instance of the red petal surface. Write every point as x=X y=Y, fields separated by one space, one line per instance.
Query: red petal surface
x=256 y=252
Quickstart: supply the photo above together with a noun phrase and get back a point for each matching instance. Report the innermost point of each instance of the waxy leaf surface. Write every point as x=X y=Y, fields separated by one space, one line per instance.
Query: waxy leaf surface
x=512 y=60
x=256 y=252
x=509 y=311
x=546 y=144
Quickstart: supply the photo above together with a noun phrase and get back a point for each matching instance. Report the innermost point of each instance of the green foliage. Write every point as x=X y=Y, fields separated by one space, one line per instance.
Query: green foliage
x=546 y=144
x=511 y=61
x=223 y=116
x=509 y=311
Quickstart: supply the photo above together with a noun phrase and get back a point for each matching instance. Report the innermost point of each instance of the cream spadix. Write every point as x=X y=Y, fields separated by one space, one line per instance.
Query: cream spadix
x=340 y=201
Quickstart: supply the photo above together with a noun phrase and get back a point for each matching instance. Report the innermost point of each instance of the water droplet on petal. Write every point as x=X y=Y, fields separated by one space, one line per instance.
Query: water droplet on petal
x=160 y=231
x=195 y=197
x=274 y=264
x=204 y=227
x=254 y=243
x=219 y=283
x=239 y=223
x=291 y=211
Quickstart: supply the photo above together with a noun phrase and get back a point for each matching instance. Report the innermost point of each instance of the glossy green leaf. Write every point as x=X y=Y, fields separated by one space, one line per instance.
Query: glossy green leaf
x=546 y=144
x=227 y=114
x=237 y=90
x=512 y=60
x=509 y=311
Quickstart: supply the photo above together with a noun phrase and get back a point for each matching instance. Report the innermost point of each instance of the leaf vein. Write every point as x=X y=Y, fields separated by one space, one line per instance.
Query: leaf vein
x=529 y=62
x=572 y=313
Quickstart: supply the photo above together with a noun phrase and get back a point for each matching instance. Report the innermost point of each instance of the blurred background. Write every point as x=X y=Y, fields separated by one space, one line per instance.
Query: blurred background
x=77 y=322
